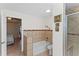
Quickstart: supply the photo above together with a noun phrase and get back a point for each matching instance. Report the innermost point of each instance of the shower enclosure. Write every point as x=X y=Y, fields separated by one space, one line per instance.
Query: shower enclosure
x=72 y=35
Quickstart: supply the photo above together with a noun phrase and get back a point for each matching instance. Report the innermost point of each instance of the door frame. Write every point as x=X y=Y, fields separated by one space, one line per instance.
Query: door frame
x=65 y=36
x=66 y=16
x=5 y=13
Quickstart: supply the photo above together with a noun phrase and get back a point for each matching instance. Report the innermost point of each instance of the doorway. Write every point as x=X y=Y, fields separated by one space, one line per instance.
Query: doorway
x=14 y=36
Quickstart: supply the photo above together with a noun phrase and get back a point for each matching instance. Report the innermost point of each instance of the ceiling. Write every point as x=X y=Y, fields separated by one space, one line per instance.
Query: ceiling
x=36 y=9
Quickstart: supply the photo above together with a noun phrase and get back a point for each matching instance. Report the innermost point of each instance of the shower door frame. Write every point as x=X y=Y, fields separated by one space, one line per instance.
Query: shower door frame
x=66 y=16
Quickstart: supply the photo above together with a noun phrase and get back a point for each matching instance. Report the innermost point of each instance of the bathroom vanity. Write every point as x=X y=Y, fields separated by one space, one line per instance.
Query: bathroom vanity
x=37 y=42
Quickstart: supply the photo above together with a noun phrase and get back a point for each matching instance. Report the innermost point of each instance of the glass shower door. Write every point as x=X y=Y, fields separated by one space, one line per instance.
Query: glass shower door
x=73 y=35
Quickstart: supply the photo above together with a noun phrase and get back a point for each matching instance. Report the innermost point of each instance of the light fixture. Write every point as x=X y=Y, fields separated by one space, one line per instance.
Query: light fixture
x=9 y=18
x=48 y=11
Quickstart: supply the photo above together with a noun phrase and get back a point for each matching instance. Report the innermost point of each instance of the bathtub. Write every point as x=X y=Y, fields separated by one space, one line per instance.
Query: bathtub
x=40 y=47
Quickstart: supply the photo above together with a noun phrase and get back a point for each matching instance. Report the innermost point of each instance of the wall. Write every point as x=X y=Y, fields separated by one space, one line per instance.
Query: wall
x=28 y=22
x=58 y=9
x=40 y=35
x=32 y=22
x=48 y=20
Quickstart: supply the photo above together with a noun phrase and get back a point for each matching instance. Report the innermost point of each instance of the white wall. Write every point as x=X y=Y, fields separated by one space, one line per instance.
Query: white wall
x=32 y=22
x=49 y=21
x=28 y=22
x=58 y=36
